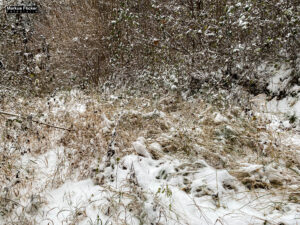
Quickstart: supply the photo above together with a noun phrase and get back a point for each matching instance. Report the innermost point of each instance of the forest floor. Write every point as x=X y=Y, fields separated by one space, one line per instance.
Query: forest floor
x=140 y=160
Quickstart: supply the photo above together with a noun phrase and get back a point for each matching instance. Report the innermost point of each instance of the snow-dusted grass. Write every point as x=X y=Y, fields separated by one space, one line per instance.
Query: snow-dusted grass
x=138 y=160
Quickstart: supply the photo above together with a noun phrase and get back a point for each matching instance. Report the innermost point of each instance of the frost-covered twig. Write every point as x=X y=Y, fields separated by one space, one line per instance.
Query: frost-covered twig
x=10 y=200
x=111 y=150
x=35 y=121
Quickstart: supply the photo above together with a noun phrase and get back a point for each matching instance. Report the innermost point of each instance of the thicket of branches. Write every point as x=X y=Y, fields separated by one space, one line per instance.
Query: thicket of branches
x=215 y=41
x=86 y=43
x=60 y=47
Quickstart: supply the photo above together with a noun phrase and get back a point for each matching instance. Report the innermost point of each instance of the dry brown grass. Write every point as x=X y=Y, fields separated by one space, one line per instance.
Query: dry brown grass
x=183 y=129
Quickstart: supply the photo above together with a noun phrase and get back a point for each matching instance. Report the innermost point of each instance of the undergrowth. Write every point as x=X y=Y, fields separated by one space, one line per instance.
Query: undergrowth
x=226 y=137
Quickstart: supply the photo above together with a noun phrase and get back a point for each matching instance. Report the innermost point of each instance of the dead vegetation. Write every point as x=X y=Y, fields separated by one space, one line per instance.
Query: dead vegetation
x=227 y=139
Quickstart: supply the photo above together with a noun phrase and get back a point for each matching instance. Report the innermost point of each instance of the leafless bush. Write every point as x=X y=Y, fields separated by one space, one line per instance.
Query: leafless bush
x=222 y=41
x=60 y=47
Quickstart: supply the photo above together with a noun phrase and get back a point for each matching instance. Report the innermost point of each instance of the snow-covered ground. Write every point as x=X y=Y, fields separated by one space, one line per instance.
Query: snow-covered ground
x=166 y=191
x=283 y=110
x=101 y=182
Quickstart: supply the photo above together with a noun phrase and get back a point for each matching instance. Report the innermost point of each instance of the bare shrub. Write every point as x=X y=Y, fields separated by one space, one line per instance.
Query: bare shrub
x=60 y=47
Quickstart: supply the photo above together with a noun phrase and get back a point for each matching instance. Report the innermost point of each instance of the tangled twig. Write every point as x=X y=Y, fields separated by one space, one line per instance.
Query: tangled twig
x=35 y=121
